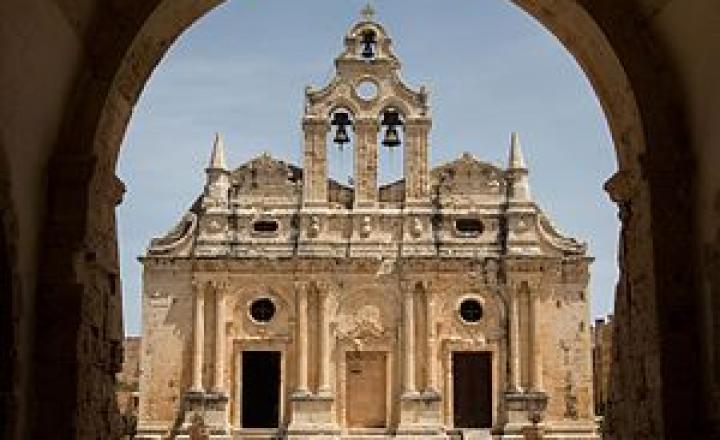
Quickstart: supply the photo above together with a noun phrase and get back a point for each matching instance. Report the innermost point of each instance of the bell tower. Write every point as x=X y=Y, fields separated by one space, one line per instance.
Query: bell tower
x=366 y=105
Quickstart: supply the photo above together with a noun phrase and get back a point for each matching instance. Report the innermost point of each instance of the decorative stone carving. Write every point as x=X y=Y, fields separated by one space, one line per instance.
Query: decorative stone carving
x=362 y=326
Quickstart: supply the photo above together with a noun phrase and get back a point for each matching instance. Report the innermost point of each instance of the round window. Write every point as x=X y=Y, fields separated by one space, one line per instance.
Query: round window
x=367 y=90
x=262 y=310
x=471 y=310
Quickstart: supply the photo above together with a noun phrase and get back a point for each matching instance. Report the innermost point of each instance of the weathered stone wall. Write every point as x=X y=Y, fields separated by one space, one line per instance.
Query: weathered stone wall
x=366 y=301
x=128 y=379
x=567 y=365
x=167 y=305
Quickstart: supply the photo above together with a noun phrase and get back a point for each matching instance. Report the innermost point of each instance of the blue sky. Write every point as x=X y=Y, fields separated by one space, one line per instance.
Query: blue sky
x=489 y=67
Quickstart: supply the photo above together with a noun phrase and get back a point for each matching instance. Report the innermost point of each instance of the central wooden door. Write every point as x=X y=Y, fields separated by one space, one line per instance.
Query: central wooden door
x=472 y=389
x=366 y=392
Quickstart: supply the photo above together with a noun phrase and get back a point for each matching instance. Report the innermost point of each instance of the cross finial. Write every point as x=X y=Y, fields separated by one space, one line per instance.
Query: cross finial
x=368 y=12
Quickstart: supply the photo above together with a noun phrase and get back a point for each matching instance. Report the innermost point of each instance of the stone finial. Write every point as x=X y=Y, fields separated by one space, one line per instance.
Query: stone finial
x=217 y=158
x=516 y=160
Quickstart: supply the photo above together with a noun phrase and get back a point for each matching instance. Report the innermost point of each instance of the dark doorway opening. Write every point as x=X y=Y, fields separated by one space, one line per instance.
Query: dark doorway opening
x=260 y=389
x=472 y=389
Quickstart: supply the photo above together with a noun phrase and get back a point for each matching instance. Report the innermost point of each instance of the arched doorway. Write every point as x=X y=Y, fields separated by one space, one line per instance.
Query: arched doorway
x=625 y=74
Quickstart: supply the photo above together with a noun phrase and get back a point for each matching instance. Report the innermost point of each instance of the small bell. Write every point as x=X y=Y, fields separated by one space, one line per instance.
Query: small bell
x=341 y=136
x=391 y=117
x=392 y=139
x=368 y=41
x=341 y=120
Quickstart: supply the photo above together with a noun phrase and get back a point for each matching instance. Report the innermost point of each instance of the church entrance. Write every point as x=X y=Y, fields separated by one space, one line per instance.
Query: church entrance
x=366 y=389
x=260 y=389
x=472 y=389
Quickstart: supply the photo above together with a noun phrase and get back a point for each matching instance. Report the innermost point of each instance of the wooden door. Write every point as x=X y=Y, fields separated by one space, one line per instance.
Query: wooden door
x=472 y=389
x=366 y=392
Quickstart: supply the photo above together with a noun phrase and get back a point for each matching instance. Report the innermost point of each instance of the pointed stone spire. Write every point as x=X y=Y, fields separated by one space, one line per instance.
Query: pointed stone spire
x=516 y=160
x=217 y=158
x=218 y=177
x=517 y=172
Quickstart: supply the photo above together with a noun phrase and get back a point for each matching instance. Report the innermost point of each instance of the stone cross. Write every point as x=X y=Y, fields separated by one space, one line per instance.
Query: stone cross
x=368 y=12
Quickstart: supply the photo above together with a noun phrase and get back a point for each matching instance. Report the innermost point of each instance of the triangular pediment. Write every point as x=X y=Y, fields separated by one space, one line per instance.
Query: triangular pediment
x=268 y=176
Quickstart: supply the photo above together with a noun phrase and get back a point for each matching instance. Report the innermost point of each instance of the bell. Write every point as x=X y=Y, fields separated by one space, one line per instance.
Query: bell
x=368 y=42
x=341 y=120
x=391 y=118
x=341 y=136
x=392 y=139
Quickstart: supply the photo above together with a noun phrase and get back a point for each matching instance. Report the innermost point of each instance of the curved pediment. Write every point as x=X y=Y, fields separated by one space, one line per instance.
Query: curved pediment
x=353 y=69
x=179 y=240
x=550 y=234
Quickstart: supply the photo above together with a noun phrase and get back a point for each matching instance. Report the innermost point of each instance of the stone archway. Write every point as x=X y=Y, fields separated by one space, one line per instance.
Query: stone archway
x=631 y=76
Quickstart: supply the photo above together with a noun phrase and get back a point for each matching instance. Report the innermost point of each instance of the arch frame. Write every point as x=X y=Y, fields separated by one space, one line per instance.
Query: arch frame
x=625 y=67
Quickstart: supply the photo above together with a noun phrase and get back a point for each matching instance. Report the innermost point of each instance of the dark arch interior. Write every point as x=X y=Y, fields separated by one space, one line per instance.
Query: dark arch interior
x=6 y=336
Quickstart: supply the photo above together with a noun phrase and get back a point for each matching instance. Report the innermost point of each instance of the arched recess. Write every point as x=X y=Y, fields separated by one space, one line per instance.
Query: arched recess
x=637 y=89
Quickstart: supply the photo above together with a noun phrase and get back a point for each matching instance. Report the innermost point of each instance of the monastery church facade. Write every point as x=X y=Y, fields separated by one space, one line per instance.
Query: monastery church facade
x=286 y=304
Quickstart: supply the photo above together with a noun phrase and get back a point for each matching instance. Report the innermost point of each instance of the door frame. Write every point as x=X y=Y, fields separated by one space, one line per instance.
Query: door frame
x=484 y=356
x=390 y=386
x=449 y=347
x=384 y=354
x=239 y=346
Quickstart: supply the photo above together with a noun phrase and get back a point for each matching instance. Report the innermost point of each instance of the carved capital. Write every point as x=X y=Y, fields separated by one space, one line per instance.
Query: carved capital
x=622 y=186
x=315 y=125
x=367 y=124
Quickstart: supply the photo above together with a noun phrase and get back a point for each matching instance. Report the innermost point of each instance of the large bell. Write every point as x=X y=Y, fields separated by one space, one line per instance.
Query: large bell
x=368 y=42
x=392 y=138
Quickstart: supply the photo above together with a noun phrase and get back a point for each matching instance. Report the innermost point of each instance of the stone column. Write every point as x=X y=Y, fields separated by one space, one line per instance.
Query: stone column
x=536 y=366
x=219 y=380
x=198 y=338
x=366 y=162
x=416 y=160
x=324 y=343
x=409 y=321
x=315 y=161
x=514 y=343
x=302 y=341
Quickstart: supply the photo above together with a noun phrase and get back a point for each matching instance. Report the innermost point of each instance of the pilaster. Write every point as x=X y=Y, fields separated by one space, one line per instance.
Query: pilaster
x=198 y=338
x=417 y=188
x=315 y=162
x=366 y=162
